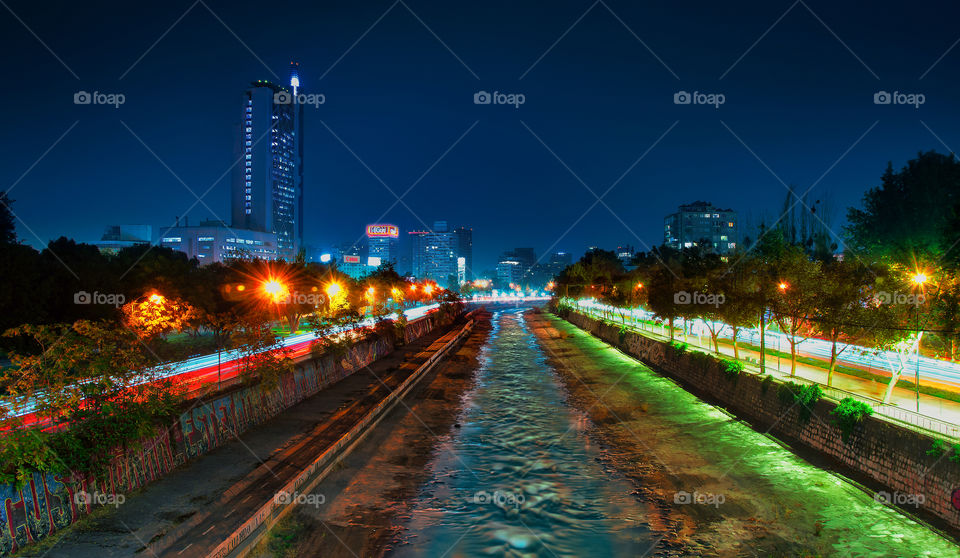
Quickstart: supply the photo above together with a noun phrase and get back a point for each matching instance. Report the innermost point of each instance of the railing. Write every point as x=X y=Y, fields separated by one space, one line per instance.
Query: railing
x=883 y=410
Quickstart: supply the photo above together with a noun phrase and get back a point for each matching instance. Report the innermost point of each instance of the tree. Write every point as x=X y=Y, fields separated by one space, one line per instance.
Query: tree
x=154 y=315
x=844 y=308
x=741 y=304
x=909 y=215
x=8 y=224
x=666 y=286
x=799 y=292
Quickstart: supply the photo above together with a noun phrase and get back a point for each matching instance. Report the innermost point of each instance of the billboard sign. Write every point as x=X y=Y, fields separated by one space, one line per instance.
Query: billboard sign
x=351 y=259
x=383 y=231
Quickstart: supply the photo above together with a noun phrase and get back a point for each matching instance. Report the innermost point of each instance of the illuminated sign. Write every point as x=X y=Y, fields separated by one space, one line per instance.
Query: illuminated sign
x=351 y=259
x=325 y=258
x=389 y=231
x=373 y=261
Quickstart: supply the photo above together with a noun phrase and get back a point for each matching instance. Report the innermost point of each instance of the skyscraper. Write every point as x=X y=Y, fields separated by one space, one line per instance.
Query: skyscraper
x=465 y=250
x=268 y=181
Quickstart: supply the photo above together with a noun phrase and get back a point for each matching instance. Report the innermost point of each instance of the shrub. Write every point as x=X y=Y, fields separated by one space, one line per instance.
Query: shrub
x=937 y=449
x=732 y=370
x=955 y=456
x=848 y=415
x=806 y=396
x=786 y=393
x=678 y=348
x=765 y=383
x=702 y=360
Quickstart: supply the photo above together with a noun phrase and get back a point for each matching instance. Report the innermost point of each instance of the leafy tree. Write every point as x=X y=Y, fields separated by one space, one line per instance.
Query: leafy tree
x=909 y=215
x=844 y=308
x=800 y=290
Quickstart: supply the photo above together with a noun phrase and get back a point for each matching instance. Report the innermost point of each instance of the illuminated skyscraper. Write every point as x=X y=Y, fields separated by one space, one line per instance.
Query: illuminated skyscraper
x=268 y=180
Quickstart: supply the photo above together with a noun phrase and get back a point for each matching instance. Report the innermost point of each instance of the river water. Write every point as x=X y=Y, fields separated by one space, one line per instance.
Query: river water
x=522 y=477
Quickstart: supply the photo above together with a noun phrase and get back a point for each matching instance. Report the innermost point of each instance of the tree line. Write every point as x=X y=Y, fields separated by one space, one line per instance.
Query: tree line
x=893 y=287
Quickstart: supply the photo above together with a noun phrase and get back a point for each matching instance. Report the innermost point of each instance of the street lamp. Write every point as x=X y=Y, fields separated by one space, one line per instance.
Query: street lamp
x=275 y=290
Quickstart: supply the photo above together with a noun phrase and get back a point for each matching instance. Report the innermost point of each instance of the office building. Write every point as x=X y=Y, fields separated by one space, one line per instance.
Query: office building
x=267 y=189
x=435 y=254
x=465 y=250
x=214 y=241
x=382 y=244
x=118 y=237
x=701 y=224
x=518 y=266
x=509 y=273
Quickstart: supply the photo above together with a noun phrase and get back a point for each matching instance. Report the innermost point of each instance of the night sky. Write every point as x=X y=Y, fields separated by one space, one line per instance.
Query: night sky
x=400 y=99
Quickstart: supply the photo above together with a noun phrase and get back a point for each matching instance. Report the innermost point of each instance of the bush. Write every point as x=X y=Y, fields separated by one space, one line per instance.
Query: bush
x=806 y=396
x=848 y=415
x=765 y=383
x=732 y=370
x=787 y=393
x=702 y=360
x=937 y=449
x=678 y=348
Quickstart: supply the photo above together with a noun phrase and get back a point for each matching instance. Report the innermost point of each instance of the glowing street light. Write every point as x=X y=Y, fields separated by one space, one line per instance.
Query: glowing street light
x=333 y=289
x=919 y=278
x=275 y=290
x=156 y=298
x=783 y=286
x=428 y=289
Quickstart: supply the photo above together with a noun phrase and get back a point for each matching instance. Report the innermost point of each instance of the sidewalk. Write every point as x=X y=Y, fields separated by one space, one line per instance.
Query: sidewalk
x=901 y=399
x=199 y=505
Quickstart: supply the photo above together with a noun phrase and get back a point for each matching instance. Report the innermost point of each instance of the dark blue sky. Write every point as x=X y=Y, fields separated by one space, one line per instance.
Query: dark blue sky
x=399 y=99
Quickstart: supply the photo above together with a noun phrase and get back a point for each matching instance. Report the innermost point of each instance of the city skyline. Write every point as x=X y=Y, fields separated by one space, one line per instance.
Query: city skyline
x=399 y=102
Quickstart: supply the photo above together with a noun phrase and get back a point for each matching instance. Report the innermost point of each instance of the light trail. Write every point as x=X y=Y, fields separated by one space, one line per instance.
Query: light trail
x=196 y=372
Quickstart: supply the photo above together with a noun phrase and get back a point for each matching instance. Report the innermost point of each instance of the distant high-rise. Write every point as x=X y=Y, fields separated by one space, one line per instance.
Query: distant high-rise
x=436 y=254
x=268 y=181
x=701 y=224
x=516 y=267
x=382 y=244
x=465 y=250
